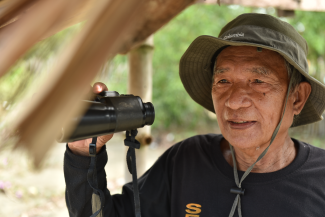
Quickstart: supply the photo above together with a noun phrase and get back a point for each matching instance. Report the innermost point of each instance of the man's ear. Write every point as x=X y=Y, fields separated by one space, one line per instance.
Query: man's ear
x=301 y=94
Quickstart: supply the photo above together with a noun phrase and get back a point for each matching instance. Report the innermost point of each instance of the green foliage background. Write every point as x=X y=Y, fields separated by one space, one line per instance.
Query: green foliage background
x=174 y=108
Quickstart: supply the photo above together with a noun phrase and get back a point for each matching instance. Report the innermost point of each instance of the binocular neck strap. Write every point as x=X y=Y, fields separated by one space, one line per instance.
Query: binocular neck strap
x=131 y=162
x=92 y=180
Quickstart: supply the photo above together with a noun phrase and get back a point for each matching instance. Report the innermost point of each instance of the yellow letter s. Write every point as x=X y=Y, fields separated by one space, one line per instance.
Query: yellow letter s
x=193 y=208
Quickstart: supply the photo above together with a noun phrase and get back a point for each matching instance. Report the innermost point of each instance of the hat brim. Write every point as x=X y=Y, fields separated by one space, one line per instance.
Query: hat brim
x=196 y=75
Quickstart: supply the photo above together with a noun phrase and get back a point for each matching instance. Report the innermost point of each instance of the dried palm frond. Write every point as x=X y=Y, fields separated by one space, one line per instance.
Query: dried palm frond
x=112 y=27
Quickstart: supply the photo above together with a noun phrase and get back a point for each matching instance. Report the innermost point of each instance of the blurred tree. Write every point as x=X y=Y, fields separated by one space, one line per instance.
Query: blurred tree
x=311 y=26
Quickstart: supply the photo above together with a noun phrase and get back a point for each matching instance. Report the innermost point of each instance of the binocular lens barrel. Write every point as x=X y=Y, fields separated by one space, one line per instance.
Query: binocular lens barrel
x=150 y=113
x=110 y=115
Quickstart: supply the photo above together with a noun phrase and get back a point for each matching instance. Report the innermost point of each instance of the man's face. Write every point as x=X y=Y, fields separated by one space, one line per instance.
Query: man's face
x=248 y=93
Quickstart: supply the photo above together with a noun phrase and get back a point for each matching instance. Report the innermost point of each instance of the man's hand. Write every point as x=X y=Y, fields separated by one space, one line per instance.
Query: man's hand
x=82 y=147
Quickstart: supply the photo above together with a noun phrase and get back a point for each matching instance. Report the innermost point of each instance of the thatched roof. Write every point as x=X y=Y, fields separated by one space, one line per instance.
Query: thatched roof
x=111 y=27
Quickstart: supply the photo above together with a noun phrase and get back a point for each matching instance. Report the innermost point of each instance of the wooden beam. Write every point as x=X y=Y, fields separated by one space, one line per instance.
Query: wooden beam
x=157 y=12
x=285 y=13
x=303 y=5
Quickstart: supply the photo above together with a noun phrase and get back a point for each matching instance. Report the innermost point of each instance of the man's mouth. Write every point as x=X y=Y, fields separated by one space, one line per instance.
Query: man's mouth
x=239 y=124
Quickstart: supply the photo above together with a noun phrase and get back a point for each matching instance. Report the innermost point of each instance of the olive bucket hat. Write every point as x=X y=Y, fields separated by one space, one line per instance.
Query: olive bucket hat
x=258 y=30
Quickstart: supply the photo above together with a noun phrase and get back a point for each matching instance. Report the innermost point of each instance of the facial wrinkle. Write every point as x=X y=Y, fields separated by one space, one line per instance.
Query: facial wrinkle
x=259 y=70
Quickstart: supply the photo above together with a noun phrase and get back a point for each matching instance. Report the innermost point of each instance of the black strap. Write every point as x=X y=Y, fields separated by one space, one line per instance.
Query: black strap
x=92 y=176
x=131 y=162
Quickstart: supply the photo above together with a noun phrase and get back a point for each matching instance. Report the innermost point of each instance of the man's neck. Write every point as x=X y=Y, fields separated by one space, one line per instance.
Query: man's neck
x=280 y=154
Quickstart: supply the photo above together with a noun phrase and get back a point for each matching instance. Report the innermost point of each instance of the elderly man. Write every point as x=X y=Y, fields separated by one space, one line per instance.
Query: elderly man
x=254 y=76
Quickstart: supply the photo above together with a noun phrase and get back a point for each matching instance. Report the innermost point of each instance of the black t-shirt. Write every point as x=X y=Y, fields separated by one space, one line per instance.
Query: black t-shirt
x=192 y=179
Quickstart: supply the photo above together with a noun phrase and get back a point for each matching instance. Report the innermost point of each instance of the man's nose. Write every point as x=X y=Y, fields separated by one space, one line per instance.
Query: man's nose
x=238 y=97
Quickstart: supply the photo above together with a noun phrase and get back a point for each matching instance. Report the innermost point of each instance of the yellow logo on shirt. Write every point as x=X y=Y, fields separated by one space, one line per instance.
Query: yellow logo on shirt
x=192 y=210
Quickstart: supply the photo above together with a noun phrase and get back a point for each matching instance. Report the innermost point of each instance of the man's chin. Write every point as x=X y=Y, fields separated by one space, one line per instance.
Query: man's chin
x=242 y=140
x=243 y=144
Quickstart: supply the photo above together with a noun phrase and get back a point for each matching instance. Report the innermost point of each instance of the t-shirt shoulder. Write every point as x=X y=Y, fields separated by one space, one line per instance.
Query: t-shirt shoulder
x=316 y=156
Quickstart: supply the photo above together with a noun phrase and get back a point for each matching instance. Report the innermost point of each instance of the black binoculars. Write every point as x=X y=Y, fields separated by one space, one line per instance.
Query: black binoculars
x=110 y=112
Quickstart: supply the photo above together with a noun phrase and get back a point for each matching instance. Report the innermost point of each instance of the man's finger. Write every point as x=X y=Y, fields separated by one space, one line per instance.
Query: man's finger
x=99 y=87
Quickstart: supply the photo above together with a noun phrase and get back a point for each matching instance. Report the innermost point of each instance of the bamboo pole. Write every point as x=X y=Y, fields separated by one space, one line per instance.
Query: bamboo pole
x=140 y=84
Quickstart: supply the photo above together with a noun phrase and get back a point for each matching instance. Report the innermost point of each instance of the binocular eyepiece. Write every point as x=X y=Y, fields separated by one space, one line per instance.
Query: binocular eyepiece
x=109 y=113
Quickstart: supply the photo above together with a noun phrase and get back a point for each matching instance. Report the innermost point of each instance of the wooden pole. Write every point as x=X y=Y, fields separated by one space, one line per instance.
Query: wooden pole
x=140 y=84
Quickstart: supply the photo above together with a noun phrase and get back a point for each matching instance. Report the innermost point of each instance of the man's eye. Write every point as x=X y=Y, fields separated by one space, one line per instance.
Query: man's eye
x=258 y=81
x=223 y=81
